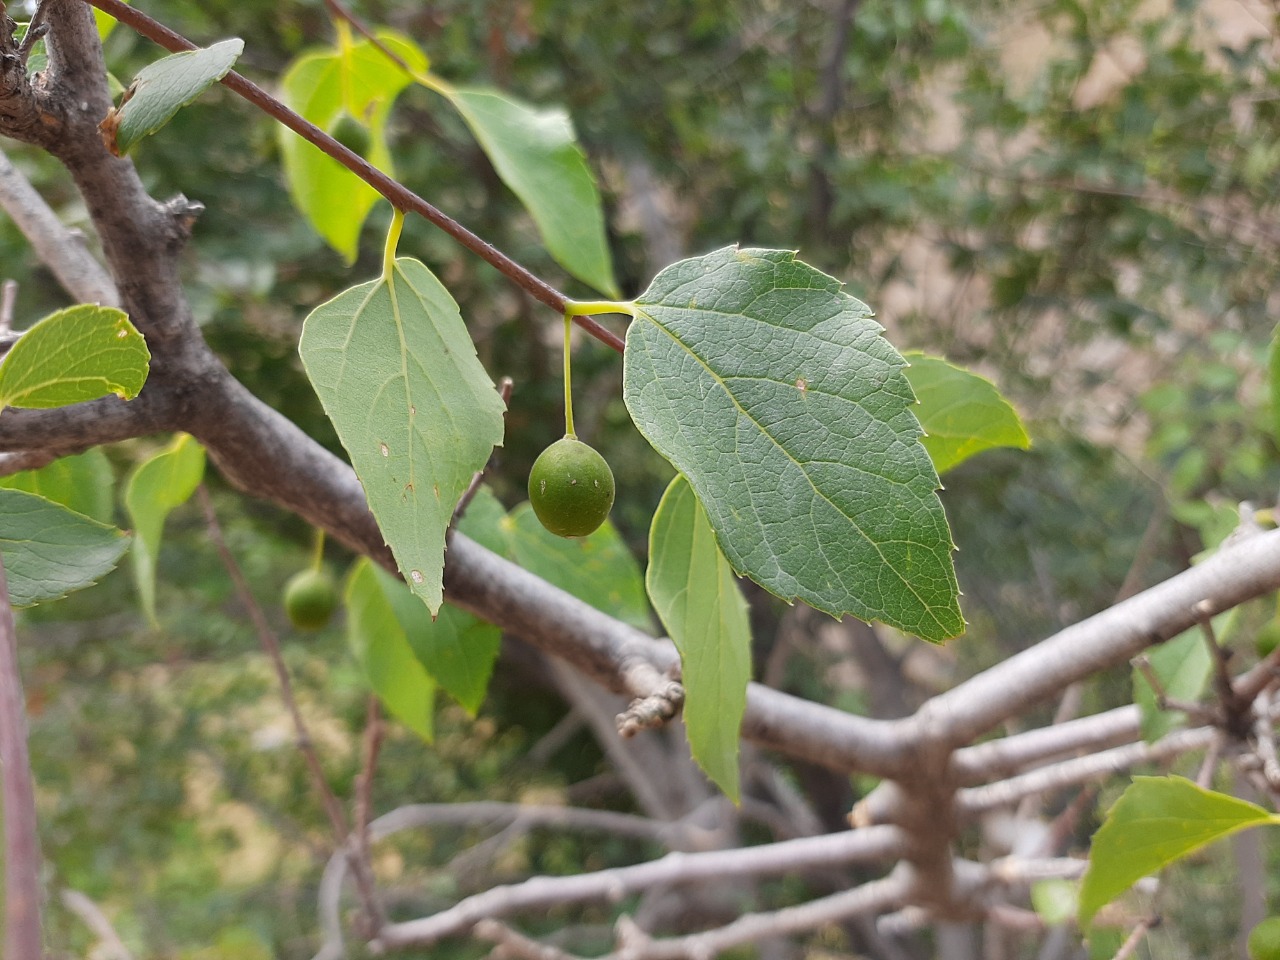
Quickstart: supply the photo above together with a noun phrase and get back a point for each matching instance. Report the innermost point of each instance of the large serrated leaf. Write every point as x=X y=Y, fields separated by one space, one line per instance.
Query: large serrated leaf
x=50 y=551
x=82 y=483
x=380 y=613
x=153 y=490
x=598 y=569
x=398 y=375
x=773 y=392
x=537 y=155
x=163 y=88
x=77 y=354
x=1183 y=666
x=323 y=86
x=694 y=591
x=962 y=413
x=1156 y=821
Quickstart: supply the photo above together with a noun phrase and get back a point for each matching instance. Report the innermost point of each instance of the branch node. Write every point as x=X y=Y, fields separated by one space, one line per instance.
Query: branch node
x=646 y=713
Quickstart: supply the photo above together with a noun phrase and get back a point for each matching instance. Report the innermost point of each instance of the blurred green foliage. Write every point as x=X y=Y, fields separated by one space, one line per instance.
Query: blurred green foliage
x=1104 y=251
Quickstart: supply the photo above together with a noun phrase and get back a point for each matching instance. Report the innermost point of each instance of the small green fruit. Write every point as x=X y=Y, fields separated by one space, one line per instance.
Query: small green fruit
x=351 y=133
x=1268 y=637
x=1264 y=940
x=309 y=599
x=571 y=488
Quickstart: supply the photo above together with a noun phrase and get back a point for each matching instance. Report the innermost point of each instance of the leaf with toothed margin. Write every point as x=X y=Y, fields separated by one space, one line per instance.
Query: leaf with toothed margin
x=398 y=375
x=773 y=392
x=81 y=353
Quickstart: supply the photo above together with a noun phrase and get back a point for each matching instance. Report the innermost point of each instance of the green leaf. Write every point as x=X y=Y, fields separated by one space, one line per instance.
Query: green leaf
x=773 y=392
x=695 y=594
x=961 y=412
x=597 y=569
x=50 y=551
x=485 y=522
x=104 y=22
x=536 y=154
x=163 y=88
x=80 y=353
x=1273 y=369
x=1054 y=900
x=323 y=87
x=398 y=376
x=1156 y=821
x=380 y=612
x=458 y=650
x=82 y=483
x=1183 y=666
x=153 y=489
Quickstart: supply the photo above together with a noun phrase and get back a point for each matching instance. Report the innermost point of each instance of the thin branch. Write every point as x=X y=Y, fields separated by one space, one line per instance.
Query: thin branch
x=513 y=944
x=58 y=248
x=1267 y=742
x=271 y=646
x=111 y=947
x=8 y=300
x=787 y=856
x=505 y=386
x=373 y=732
x=1130 y=946
x=400 y=196
x=974 y=801
x=21 y=842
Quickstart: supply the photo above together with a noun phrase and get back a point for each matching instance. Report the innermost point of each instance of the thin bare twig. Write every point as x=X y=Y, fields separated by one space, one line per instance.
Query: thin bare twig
x=1267 y=742
x=400 y=196
x=373 y=732
x=21 y=843
x=271 y=646
x=111 y=947
x=1130 y=946
x=8 y=300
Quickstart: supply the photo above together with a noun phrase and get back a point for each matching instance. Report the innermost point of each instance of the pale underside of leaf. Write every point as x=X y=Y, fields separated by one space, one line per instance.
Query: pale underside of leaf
x=773 y=392
x=398 y=375
x=696 y=595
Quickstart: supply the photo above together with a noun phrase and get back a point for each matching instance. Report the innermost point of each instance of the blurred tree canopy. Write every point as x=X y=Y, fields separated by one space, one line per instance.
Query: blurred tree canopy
x=1077 y=198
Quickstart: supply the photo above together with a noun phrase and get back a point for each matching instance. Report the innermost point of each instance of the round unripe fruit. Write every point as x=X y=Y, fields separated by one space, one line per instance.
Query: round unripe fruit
x=351 y=133
x=571 y=488
x=1264 y=940
x=309 y=599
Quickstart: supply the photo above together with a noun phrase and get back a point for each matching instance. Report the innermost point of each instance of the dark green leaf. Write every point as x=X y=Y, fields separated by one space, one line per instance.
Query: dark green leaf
x=50 y=551
x=773 y=392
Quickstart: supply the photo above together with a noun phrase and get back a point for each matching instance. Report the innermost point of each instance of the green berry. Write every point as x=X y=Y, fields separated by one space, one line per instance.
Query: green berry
x=351 y=133
x=309 y=599
x=1264 y=940
x=571 y=488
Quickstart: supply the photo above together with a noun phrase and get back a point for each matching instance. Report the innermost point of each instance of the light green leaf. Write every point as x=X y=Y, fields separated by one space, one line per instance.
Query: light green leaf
x=1273 y=369
x=458 y=650
x=1183 y=666
x=695 y=594
x=536 y=154
x=163 y=88
x=485 y=522
x=324 y=86
x=398 y=376
x=50 y=551
x=961 y=412
x=1156 y=821
x=1054 y=900
x=598 y=569
x=80 y=353
x=104 y=22
x=153 y=489
x=82 y=483
x=380 y=611
x=773 y=392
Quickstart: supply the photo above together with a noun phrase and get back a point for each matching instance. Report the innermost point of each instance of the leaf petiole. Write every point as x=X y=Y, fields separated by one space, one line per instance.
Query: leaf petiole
x=393 y=241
